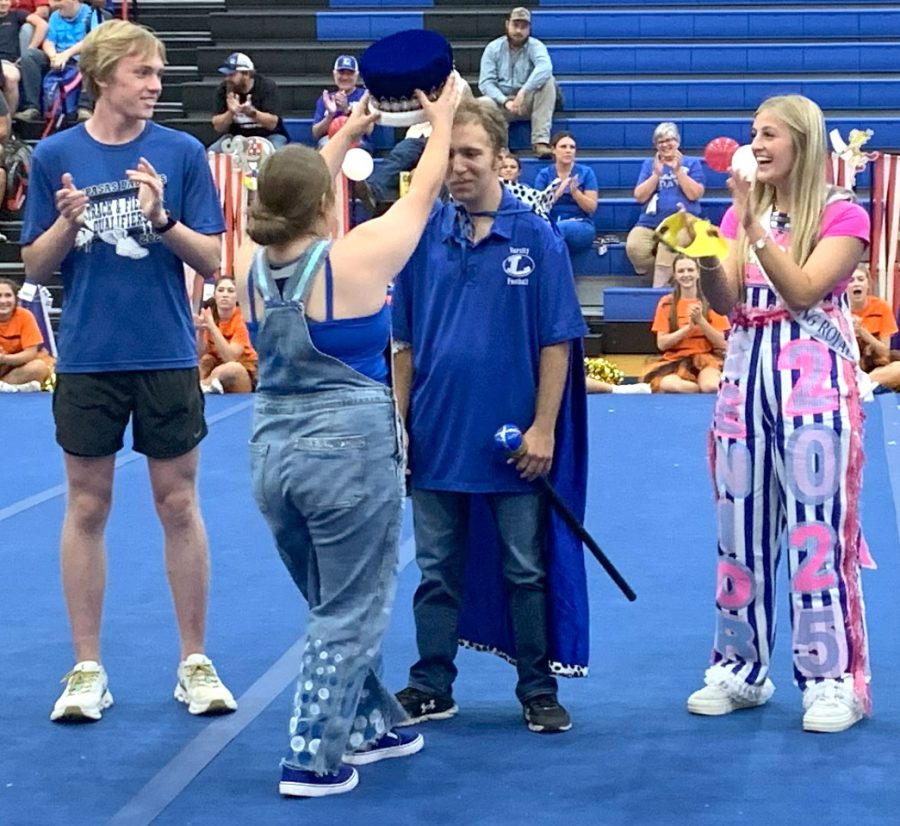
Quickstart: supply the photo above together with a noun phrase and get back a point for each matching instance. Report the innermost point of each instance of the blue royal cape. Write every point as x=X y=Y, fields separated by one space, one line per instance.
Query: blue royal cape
x=485 y=623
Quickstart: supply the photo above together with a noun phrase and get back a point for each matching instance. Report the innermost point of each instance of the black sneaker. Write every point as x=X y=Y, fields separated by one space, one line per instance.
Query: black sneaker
x=421 y=706
x=544 y=714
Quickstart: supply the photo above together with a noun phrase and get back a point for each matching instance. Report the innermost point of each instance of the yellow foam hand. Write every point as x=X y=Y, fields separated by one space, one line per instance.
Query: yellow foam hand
x=689 y=235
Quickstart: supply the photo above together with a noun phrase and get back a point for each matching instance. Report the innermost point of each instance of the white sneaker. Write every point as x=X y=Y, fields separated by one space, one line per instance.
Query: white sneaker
x=638 y=388
x=86 y=694
x=200 y=687
x=715 y=700
x=27 y=387
x=830 y=706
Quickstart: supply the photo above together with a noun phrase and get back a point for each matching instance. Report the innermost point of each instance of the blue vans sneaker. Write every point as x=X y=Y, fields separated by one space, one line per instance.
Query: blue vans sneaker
x=400 y=743
x=302 y=783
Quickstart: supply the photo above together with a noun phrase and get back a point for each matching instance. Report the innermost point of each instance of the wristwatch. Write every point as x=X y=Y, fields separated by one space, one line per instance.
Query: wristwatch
x=170 y=222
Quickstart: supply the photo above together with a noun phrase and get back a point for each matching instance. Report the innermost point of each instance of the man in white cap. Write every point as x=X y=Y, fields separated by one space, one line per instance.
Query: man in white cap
x=517 y=75
x=247 y=104
x=337 y=102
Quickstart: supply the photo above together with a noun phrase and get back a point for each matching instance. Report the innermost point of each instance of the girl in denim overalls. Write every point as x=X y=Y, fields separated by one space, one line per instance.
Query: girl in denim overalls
x=787 y=443
x=326 y=452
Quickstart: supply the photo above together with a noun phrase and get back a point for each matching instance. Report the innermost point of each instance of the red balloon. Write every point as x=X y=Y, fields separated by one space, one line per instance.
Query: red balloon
x=719 y=152
x=336 y=124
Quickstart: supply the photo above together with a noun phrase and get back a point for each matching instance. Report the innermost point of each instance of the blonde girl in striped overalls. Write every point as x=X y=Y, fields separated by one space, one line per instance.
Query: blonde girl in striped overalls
x=787 y=437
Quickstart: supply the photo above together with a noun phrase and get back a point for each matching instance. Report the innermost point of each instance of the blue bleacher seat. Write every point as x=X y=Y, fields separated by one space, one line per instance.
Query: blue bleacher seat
x=643 y=24
x=631 y=303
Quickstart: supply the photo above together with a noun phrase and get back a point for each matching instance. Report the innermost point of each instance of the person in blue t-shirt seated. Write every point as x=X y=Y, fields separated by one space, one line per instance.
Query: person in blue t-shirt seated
x=335 y=104
x=68 y=25
x=486 y=323
x=576 y=195
x=666 y=180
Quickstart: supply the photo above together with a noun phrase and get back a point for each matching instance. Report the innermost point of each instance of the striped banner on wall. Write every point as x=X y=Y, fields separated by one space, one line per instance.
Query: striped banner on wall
x=885 y=211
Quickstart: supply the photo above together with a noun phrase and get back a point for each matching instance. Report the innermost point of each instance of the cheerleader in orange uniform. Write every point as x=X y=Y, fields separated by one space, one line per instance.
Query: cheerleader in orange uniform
x=874 y=324
x=227 y=358
x=24 y=361
x=690 y=336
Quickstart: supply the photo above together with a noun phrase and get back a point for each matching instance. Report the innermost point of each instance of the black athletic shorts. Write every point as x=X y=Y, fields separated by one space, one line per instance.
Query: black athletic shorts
x=165 y=407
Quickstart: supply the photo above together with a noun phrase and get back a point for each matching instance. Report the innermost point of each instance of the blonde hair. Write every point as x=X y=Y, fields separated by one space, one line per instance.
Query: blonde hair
x=806 y=125
x=106 y=45
x=293 y=188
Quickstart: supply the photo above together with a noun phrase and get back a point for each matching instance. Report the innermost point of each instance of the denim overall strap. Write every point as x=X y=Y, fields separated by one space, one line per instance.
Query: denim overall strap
x=298 y=285
x=298 y=274
x=251 y=290
x=329 y=291
x=261 y=278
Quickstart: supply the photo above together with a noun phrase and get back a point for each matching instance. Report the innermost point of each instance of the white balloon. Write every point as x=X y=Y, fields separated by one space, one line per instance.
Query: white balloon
x=743 y=164
x=358 y=164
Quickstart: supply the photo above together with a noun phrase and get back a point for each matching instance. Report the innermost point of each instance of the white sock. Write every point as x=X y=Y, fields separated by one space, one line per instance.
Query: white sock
x=639 y=388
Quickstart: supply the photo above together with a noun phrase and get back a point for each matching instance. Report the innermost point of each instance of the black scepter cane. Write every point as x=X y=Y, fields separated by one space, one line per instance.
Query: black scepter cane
x=509 y=439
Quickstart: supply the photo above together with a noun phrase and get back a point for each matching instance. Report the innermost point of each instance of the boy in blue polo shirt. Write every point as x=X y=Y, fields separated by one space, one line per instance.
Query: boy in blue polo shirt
x=484 y=314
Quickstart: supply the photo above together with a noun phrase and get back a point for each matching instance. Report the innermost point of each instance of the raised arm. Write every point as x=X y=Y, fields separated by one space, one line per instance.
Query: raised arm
x=800 y=287
x=646 y=188
x=43 y=256
x=378 y=249
x=200 y=252
x=721 y=281
x=827 y=265
x=359 y=122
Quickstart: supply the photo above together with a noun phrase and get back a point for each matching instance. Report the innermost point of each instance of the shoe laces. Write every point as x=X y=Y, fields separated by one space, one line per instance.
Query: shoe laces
x=545 y=702
x=201 y=674
x=829 y=692
x=80 y=682
x=412 y=695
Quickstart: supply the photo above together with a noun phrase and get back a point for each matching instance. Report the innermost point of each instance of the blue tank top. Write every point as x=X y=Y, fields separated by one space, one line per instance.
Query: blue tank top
x=360 y=343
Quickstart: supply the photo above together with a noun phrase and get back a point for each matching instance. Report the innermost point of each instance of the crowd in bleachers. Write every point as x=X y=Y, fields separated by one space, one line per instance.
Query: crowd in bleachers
x=516 y=76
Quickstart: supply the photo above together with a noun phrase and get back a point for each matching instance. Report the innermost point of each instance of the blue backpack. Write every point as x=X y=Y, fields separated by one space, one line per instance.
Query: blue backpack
x=61 y=89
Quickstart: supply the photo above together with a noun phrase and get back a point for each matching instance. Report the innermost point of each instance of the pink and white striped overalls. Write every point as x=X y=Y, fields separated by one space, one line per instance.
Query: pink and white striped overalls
x=787 y=464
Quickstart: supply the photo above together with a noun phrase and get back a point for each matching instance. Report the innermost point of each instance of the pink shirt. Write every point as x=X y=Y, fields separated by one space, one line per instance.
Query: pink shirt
x=841 y=218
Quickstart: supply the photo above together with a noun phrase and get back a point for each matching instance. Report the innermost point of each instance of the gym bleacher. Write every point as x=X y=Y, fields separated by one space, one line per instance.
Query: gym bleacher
x=622 y=66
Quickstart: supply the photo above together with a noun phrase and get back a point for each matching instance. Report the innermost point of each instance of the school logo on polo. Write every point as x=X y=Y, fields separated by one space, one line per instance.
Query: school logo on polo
x=518 y=265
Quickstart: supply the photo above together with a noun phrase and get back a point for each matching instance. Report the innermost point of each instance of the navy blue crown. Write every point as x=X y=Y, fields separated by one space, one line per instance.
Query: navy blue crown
x=395 y=66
